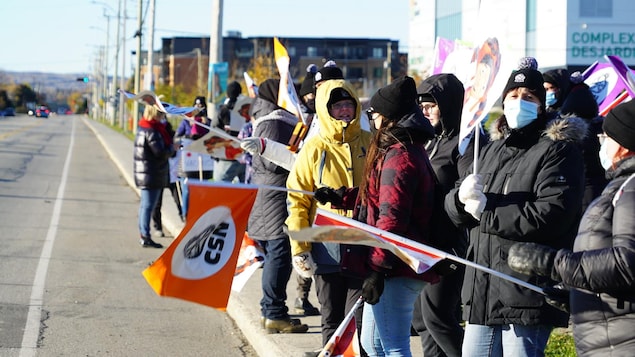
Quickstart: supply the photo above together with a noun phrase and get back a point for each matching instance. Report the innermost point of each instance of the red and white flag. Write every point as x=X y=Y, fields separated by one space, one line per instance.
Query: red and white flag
x=218 y=144
x=200 y=264
x=331 y=227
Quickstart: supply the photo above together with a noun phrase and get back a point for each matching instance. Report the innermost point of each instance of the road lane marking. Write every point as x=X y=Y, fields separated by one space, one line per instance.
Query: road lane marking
x=32 y=328
x=19 y=130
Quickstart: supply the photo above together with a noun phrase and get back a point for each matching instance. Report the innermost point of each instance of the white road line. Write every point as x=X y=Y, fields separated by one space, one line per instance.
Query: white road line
x=32 y=328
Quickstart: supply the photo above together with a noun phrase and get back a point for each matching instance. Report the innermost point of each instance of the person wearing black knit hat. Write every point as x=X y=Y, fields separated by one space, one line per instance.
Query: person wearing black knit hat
x=528 y=187
x=619 y=125
x=397 y=174
x=580 y=102
x=598 y=270
x=307 y=89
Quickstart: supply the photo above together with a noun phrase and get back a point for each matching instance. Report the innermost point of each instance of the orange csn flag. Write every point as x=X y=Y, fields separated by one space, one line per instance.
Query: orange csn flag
x=199 y=265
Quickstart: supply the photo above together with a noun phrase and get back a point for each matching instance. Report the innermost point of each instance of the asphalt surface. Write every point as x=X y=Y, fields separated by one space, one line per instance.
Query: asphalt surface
x=243 y=306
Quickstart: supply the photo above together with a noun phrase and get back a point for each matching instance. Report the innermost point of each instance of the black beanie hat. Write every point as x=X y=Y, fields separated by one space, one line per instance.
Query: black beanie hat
x=329 y=71
x=619 y=124
x=580 y=101
x=528 y=76
x=200 y=100
x=233 y=90
x=308 y=84
x=396 y=99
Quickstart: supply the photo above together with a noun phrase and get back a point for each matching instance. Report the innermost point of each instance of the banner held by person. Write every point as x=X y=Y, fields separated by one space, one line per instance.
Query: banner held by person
x=200 y=264
x=331 y=227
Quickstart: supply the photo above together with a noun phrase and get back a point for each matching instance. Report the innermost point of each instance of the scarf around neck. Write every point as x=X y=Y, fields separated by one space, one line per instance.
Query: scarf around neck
x=158 y=126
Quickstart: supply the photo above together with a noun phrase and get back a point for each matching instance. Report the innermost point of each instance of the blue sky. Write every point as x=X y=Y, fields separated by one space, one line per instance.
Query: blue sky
x=64 y=36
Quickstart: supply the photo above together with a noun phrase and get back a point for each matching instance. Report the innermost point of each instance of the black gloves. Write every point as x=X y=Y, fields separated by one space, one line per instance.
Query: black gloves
x=445 y=267
x=329 y=194
x=373 y=287
x=533 y=259
x=558 y=297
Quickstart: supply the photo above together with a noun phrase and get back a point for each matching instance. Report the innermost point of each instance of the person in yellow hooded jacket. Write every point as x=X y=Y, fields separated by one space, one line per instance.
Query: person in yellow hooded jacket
x=332 y=158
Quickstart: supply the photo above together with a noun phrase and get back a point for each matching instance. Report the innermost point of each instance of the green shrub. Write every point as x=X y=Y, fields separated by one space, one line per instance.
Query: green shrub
x=560 y=344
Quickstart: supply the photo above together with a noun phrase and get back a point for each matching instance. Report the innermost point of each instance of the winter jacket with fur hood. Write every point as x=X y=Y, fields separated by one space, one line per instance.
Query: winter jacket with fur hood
x=533 y=179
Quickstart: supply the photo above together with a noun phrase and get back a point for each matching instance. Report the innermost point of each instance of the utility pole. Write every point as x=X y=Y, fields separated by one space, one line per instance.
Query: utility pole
x=115 y=94
x=122 y=99
x=215 y=53
x=106 y=69
x=150 y=66
x=137 y=70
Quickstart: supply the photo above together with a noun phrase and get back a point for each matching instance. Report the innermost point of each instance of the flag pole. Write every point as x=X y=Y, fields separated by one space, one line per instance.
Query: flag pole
x=329 y=348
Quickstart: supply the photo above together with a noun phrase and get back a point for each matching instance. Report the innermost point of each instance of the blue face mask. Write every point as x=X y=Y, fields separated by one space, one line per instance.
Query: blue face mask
x=551 y=99
x=520 y=113
x=605 y=161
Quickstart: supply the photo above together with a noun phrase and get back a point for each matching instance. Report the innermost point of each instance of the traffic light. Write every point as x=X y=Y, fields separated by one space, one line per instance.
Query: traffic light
x=83 y=79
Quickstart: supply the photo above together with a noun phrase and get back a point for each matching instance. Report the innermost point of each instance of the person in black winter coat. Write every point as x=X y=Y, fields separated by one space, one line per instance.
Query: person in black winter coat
x=528 y=188
x=152 y=148
x=437 y=313
x=581 y=103
x=600 y=269
x=269 y=212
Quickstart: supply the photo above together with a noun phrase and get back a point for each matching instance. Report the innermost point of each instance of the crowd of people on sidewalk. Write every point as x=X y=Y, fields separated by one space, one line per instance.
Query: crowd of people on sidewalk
x=551 y=204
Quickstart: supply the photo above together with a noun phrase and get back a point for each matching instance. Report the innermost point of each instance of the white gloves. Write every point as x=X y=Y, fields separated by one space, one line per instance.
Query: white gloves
x=472 y=196
x=304 y=265
x=254 y=145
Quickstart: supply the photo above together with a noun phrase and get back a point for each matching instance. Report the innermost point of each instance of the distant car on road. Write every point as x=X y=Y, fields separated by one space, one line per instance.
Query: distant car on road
x=42 y=112
x=7 y=112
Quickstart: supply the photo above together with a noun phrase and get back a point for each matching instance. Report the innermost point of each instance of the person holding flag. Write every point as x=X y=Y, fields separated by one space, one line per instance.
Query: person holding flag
x=267 y=217
x=153 y=147
x=529 y=188
x=396 y=194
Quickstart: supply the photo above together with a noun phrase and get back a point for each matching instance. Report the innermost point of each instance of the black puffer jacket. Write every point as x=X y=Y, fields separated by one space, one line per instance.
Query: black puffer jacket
x=151 y=154
x=601 y=269
x=269 y=212
x=533 y=181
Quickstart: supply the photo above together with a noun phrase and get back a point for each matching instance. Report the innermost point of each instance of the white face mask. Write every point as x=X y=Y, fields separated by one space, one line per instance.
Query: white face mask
x=520 y=113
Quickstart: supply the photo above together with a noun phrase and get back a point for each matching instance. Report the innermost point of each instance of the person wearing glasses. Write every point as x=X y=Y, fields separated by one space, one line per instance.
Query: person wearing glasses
x=437 y=313
x=599 y=269
x=333 y=157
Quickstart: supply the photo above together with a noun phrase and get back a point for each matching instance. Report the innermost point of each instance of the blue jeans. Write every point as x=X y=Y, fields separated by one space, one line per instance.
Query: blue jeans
x=275 y=276
x=227 y=170
x=505 y=340
x=386 y=325
x=149 y=199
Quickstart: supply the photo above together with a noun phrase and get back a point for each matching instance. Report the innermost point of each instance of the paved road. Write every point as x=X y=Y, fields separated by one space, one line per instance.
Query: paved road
x=70 y=261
